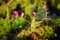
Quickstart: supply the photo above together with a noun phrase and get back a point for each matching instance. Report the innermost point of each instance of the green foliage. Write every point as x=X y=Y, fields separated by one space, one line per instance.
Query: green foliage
x=18 y=22
x=4 y=27
x=39 y=2
x=48 y=31
x=29 y=9
x=25 y=3
x=56 y=22
x=40 y=14
x=58 y=6
x=3 y=9
x=54 y=3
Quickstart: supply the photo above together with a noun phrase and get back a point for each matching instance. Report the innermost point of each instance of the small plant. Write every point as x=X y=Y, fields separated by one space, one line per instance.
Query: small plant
x=5 y=27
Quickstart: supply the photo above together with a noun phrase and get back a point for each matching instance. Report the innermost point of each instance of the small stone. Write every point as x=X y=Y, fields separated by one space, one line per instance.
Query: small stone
x=55 y=34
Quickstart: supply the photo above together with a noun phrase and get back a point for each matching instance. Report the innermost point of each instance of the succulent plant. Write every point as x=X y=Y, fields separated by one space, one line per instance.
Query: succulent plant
x=5 y=27
x=19 y=22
